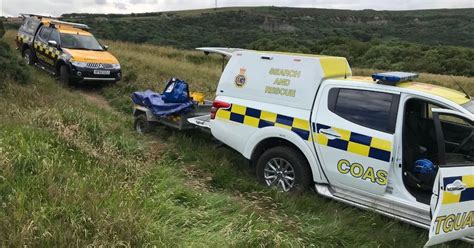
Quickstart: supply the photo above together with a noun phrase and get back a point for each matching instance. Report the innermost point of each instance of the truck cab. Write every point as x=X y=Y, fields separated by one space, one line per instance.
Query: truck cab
x=66 y=49
x=390 y=144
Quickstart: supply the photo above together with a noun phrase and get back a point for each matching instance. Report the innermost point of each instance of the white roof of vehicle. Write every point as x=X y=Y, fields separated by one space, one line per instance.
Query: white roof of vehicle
x=226 y=51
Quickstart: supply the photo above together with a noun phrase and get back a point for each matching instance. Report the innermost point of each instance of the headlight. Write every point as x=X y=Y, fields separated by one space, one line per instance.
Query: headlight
x=79 y=64
x=116 y=66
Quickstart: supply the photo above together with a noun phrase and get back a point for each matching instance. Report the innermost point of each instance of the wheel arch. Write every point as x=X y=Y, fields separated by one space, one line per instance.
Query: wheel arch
x=60 y=63
x=24 y=47
x=271 y=137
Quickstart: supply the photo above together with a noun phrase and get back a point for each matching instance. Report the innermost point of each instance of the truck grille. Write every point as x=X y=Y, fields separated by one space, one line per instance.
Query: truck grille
x=99 y=66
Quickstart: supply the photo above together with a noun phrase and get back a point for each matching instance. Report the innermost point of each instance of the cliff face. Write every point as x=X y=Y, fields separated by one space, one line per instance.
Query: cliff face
x=276 y=25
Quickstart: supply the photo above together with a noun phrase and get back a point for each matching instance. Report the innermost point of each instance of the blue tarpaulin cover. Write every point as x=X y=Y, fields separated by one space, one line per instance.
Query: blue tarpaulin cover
x=154 y=102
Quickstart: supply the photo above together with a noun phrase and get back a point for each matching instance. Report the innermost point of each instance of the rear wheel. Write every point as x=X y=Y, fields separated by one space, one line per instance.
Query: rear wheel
x=64 y=75
x=28 y=57
x=142 y=125
x=284 y=168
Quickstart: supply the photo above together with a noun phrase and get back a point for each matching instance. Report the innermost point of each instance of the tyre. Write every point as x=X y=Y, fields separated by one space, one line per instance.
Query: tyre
x=64 y=75
x=28 y=57
x=284 y=168
x=142 y=125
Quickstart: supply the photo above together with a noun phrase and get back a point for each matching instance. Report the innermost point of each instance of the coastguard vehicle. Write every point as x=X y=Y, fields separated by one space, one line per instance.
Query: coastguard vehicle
x=388 y=143
x=66 y=49
x=304 y=121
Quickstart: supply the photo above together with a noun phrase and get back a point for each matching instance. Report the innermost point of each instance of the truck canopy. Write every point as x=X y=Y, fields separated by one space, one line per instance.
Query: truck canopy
x=276 y=77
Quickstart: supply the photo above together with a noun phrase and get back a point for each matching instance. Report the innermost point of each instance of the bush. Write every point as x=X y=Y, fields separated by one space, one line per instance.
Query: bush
x=10 y=66
x=382 y=55
x=2 y=29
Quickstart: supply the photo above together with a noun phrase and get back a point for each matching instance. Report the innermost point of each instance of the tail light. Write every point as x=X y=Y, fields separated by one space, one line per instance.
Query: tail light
x=216 y=105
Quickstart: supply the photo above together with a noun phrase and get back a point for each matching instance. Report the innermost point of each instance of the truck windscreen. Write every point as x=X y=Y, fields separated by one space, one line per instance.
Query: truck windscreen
x=77 y=41
x=469 y=106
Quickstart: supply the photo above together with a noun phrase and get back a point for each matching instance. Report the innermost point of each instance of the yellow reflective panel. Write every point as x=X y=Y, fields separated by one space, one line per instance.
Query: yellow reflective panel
x=335 y=67
x=223 y=114
x=449 y=94
x=301 y=124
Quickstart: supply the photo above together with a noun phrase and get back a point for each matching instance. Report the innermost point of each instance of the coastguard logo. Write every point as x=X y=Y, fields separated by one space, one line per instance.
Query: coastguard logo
x=240 y=79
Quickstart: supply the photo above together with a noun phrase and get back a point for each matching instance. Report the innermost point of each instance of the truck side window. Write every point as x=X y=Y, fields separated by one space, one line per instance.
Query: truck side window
x=376 y=110
x=458 y=137
x=54 y=36
x=44 y=34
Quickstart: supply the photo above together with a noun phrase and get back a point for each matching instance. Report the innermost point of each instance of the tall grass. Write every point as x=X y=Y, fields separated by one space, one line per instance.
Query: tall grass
x=149 y=67
x=73 y=173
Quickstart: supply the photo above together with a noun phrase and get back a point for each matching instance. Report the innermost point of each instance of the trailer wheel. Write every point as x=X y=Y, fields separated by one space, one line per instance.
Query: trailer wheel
x=28 y=57
x=284 y=168
x=142 y=125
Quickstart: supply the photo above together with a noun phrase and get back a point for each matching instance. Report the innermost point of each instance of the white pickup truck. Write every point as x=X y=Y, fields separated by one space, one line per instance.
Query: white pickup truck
x=401 y=148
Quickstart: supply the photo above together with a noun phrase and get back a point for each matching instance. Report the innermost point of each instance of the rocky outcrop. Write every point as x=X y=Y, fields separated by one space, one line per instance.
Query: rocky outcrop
x=276 y=25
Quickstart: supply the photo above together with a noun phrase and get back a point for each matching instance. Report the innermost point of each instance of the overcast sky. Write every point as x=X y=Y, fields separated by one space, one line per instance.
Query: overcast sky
x=57 y=7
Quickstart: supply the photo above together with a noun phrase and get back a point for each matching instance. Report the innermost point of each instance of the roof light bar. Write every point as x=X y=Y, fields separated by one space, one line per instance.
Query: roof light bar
x=35 y=15
x=75 y=25
x=394 y=77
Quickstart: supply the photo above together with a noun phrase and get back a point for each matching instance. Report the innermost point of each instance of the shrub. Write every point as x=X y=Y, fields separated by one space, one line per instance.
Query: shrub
x=10 y=66
x=2 y=29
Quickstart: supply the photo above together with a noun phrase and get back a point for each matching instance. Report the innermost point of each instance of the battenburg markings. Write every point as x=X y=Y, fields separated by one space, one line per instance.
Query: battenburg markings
x=261 y=119
x=350 y=141
x=355 y=143
x=457 y=197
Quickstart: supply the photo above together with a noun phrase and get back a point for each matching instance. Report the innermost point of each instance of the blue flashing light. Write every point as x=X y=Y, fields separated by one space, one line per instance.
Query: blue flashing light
x=394 y=77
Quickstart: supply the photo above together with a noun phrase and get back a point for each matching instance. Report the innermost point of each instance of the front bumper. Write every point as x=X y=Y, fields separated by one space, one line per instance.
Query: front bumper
x=87 y=75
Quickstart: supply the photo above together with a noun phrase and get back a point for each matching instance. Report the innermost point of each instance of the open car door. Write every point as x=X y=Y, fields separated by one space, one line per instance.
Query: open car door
x=452 y=202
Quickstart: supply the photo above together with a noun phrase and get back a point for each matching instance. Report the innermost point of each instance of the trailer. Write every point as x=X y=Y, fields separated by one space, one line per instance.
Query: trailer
x=198 y=118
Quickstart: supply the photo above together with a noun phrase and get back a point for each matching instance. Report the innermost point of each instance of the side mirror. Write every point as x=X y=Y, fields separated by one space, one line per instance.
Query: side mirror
x=53 y=43
x=105 y=47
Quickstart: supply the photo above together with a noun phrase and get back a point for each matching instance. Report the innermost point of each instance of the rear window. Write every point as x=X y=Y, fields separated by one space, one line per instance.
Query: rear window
x=469 y=106
x=375 y=110
x=29 y=26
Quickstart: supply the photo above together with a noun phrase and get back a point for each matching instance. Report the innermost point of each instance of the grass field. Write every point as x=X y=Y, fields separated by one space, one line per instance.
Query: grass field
x=74 y=173
x=150 y=67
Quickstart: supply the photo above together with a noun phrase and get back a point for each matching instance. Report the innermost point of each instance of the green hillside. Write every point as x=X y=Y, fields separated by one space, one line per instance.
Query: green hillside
x=434 y=41
x=74 y=173
x=240 y=27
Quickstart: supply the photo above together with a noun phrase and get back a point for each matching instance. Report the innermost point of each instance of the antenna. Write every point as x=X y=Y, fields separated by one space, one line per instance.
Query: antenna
x=460 y=87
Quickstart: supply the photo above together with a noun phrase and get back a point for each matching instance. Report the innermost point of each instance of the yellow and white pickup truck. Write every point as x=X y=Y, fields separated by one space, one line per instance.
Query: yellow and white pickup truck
x=390 y=144
x=66 y=49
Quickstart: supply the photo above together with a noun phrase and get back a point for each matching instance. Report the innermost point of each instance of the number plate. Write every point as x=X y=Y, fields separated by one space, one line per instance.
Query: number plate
x=101 y=72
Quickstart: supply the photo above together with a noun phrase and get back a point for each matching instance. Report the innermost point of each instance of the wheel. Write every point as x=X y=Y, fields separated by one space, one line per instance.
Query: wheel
x=64 y=75
x=142 y=125
x=284 y=168
x=28 y=57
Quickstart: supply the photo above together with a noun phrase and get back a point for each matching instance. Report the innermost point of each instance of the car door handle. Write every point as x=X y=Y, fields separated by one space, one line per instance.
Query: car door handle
x=456 y=186
x=330 y=133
